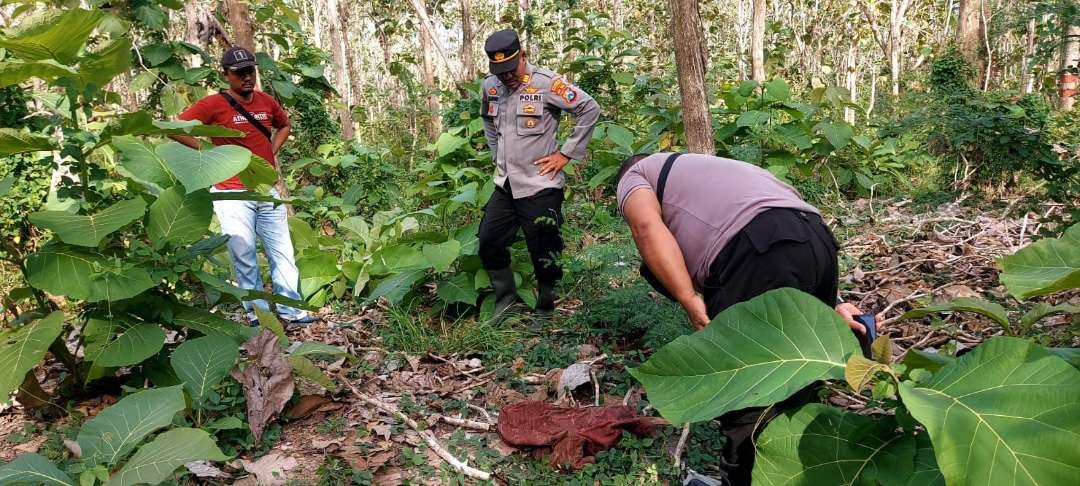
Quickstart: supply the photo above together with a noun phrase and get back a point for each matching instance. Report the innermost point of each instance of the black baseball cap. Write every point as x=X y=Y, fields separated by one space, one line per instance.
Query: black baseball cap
x=237 y=58
x=503 y=50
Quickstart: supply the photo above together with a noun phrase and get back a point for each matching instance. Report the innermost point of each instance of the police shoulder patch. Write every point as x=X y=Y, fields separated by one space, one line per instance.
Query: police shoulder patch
x=559 y=87
x=492 y=91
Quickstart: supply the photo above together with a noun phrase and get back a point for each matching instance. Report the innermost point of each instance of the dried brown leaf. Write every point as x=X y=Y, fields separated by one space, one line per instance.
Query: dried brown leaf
x=306 y=405
x=270 y=469
x=267 y=380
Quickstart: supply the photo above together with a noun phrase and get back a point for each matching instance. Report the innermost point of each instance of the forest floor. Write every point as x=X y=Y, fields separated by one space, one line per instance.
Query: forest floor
x=905 y=256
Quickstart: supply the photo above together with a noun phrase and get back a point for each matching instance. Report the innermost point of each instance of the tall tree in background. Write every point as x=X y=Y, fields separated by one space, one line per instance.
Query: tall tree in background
x=468 y=38
x=757 y=41
x=891 y=41
x=338 y=49
x=689 y=60
x=240 y=21
x=427 y=50
x=1070 y=58
x=969 y=36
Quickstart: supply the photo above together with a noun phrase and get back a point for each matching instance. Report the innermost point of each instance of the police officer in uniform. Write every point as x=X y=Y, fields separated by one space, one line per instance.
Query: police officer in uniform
x=522 y=106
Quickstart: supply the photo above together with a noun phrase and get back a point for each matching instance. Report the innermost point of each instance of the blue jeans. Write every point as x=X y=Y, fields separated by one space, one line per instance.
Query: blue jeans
x=242 y=221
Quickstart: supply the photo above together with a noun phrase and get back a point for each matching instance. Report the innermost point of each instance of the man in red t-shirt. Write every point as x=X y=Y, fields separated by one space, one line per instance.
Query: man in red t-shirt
x=266 y=127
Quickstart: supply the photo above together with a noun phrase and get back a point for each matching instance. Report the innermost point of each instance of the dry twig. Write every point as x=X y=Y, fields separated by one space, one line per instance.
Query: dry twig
x=681 y=445
x=426 y=434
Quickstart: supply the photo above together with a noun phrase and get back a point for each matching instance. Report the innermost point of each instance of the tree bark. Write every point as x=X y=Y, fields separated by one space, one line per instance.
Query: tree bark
x=1070 y=58
x=1027 y=75
x=969 y=36
x=431 y=94
x=353 y=60
x=686 y=30
x=468 y=38
x=896 y=24
x=340 y=68
x=757 y=41
x=240 y=21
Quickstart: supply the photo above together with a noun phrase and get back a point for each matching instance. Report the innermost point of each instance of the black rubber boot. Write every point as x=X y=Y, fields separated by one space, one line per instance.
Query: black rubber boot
x=545 y=299
x=505 y=289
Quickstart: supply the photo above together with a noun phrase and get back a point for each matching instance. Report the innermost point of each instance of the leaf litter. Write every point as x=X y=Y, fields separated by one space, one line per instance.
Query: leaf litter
x=900 y=261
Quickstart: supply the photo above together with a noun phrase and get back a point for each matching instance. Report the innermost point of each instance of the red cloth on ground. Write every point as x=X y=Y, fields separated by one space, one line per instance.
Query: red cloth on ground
x=575 y=435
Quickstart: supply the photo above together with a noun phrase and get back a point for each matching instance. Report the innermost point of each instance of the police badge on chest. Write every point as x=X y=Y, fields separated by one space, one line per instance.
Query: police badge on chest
x=531 y=98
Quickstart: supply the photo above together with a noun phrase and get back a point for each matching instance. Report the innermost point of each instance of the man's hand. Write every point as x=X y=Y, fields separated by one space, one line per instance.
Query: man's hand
x=552 y=164
x=848 y=312
x=695 y=310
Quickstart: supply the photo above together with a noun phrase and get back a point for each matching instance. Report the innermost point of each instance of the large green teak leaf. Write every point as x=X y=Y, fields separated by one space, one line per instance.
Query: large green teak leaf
x=396 y=287
x=141 y=123
x=89 y=229
x=1044 y=267
x=259 y=176
x=33 y=469
x=58 y=37
x=199 y=169
x=138 y=161
x=23 y=347
x=1006 y=413
x=203 y=362
x=818 y=444
x=16 y=72
x=211 y=324
x=102 y=66
x=155 y=462
x=14 y=141
x=755 y=353
x=177 y=218
x=114 y=433
x=316 y=271
x=80 y=274
x=926 y=471
x=120 y=340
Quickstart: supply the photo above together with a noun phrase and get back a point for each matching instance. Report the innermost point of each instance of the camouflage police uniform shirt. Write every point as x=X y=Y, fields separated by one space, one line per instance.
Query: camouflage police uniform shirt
x=521 y=127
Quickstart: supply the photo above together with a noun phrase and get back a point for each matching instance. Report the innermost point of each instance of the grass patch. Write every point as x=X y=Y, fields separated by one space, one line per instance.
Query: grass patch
x=408 y=332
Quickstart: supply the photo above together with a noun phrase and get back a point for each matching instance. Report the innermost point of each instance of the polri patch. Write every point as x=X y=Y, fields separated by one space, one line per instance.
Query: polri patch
x=492 y=91
x=570 y=96
x=531 y=98
x=559 y=87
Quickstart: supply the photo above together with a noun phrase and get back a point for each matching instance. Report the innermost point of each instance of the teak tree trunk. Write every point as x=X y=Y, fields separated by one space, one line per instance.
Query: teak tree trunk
x=240 y=21
x=468 y=38
x=1070 y=58
x=431 y=94
x=689 y=55
x=757 y=42
x=340 y=68
x=969 y=37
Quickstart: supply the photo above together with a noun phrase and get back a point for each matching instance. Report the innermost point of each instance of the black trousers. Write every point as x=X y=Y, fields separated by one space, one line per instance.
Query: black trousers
x=778 y=248
x=539 y=216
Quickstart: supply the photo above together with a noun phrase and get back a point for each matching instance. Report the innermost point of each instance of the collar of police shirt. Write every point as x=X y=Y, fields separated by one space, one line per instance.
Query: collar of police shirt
x=529 y=68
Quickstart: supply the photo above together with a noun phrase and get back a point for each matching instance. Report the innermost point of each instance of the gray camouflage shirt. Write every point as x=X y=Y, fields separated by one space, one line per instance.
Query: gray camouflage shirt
x=521 y=127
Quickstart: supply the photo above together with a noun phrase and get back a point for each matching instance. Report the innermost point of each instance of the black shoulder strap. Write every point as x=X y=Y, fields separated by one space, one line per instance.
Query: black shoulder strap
x=247 y=114
x=661 y=183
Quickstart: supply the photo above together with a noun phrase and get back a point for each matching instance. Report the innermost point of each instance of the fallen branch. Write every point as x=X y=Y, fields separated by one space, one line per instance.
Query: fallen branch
x=428 y=436
x=482 y=411
x=468 y=424
x=681 y=445
x=596 y=387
